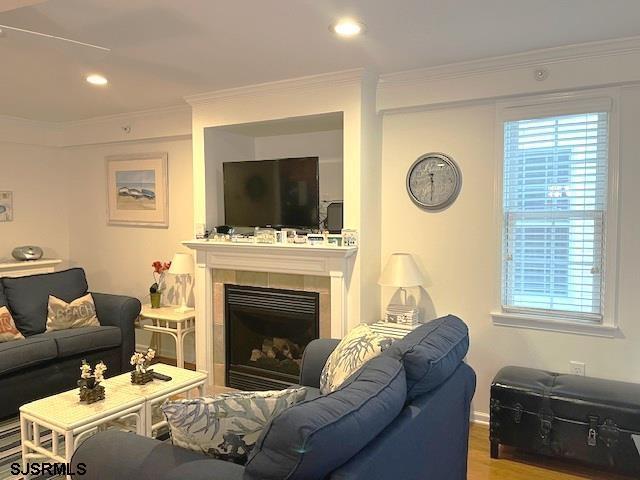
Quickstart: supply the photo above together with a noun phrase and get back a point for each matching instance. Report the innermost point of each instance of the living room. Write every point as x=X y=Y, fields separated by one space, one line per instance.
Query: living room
x=493 y=143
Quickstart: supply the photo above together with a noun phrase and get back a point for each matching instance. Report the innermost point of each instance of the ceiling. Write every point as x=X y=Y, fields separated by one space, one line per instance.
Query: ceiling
x=162 y=50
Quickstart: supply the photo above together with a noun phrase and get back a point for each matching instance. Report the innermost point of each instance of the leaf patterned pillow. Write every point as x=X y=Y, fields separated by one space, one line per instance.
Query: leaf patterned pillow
x=226 y=426
x=359 y=346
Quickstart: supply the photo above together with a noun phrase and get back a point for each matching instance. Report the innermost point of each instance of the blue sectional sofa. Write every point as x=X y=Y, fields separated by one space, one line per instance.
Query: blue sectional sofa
x=403 y=416
x=45 y=363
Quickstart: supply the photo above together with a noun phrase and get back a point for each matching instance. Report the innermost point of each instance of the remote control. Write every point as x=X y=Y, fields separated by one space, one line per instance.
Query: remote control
x=160 y=376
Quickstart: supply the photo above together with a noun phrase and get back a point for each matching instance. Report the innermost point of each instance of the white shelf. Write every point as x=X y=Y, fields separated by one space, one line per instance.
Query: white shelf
x=212 y=244
x=12 y=268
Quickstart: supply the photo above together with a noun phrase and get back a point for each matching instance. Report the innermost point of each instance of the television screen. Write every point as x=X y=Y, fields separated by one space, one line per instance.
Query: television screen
x=277 y=193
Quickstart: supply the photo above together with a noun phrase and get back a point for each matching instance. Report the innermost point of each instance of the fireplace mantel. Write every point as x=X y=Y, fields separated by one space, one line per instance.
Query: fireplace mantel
x=281 y=258
x=322 y=260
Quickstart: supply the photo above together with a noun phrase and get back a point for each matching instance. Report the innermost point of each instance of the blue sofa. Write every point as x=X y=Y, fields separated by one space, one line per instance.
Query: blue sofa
x=45 y=363
x=404 y=415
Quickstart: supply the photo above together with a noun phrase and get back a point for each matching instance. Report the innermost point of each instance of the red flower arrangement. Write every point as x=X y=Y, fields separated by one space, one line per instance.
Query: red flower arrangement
x=159 y=268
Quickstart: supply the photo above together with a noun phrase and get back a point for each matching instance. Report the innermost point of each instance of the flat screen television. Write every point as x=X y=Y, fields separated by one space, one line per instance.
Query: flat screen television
x=272 y=193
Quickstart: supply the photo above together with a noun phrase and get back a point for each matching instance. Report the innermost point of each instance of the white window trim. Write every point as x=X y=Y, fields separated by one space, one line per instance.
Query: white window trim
x=550 y=105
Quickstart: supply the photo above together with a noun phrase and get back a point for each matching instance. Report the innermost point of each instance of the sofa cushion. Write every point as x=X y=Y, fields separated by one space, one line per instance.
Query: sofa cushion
x=313 y=438
x=431 y=353
x=76 y=341
x=22 y=354
x=312 y=392
x=28 y=297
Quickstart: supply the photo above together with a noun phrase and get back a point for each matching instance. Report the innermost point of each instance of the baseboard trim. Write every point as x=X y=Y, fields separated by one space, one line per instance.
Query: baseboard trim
x=480 y=418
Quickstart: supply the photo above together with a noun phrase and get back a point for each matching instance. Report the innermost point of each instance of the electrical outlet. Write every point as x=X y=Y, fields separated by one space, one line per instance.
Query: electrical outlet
x=577 y=368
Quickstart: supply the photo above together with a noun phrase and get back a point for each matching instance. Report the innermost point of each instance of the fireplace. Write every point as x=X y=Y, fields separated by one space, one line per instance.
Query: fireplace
x=267 y=330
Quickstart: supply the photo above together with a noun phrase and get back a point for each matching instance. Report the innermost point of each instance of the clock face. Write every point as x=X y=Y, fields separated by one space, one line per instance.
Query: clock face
x=434 y=181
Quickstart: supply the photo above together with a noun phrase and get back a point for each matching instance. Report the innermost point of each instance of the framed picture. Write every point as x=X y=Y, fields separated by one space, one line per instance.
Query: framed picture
x=138 y=190
x=6 y=206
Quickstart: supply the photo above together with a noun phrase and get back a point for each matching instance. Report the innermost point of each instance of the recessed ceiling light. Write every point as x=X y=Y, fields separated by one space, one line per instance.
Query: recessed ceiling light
x=347 y=28
x=96 y=79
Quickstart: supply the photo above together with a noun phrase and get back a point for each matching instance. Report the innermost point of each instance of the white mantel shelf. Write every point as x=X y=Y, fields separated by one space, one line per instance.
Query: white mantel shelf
x=212 y=245
x=280 y=258
x=13 y=268
x=321 y=260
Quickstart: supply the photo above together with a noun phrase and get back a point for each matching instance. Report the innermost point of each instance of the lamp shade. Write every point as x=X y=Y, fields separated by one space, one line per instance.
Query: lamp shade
x=182 y=264
x=401 y=271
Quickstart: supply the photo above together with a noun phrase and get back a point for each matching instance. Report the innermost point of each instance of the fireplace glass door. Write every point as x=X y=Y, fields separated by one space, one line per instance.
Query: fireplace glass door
x=267 y=331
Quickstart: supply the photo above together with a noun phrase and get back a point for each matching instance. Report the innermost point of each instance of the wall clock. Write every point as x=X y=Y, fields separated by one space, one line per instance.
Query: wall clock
x=434 y=181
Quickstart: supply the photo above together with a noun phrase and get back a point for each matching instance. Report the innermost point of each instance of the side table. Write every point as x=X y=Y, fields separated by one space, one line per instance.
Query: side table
x=167 y=320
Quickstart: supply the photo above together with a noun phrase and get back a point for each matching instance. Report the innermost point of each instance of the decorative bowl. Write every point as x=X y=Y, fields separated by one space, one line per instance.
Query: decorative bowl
x=27 y=252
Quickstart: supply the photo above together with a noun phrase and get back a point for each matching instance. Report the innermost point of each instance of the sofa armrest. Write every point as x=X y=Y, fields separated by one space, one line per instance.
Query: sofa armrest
x=122 y=455
x=119 y=311
x=313 y=360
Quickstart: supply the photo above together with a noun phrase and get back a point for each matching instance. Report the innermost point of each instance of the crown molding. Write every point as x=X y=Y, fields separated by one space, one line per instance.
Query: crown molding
x=28 y=123
x=168 y=110
x=541 y=57
x=157 y=123
x=324 y=80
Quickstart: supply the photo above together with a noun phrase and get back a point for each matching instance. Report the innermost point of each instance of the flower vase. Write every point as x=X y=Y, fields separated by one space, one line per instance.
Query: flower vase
x=91 y=395
x=138 y=377
x=156 y=299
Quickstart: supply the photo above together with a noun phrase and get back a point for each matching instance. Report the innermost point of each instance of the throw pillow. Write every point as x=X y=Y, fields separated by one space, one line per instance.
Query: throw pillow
x=226 y=426
x=8 y=330
x=359 y=346
x=79 y=313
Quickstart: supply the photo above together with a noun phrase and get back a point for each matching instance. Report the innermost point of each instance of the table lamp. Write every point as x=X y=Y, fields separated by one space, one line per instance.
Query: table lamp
x=401 y=271
x=182 y=268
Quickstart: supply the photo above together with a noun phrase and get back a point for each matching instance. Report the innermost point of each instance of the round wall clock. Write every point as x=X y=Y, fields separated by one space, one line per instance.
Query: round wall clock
x=434 y=181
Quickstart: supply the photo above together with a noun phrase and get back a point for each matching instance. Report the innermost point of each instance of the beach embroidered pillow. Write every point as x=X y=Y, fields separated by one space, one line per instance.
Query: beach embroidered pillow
x=79 y=313
x=8 y=329
x=359 y=346
x=226 y=426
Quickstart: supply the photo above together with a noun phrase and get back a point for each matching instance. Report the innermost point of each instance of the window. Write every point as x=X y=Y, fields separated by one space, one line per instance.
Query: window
x=555 y=189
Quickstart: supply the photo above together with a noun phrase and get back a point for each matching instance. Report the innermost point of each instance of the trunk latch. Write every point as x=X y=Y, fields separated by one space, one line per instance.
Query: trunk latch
x=592 y=437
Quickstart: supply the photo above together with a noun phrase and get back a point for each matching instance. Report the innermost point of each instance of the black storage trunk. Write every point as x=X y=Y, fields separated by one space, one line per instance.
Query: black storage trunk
x=567 y=416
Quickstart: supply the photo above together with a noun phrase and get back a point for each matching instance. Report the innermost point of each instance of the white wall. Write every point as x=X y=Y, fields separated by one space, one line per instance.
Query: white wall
x=118 y=259
x=37 y=176
x=325 y=145
x=221 y=146
x=458 y=248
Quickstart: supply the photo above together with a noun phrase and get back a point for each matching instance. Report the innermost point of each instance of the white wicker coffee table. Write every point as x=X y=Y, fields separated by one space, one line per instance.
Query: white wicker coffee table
x=156 y=392
x=70 y=420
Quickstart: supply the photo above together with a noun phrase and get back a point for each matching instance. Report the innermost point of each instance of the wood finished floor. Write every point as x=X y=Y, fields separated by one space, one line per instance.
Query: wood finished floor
x=514 y=465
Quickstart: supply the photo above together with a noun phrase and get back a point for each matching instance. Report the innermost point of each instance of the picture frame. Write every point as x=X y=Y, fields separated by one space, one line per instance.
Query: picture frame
x=138 y=190
x=6 y=206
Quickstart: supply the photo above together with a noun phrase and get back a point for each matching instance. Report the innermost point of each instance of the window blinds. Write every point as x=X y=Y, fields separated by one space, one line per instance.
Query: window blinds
x=554 y=201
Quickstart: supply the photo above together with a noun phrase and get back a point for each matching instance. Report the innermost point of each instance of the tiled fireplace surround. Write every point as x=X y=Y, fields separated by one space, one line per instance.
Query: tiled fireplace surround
x=309 y=283
x=323 y=269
